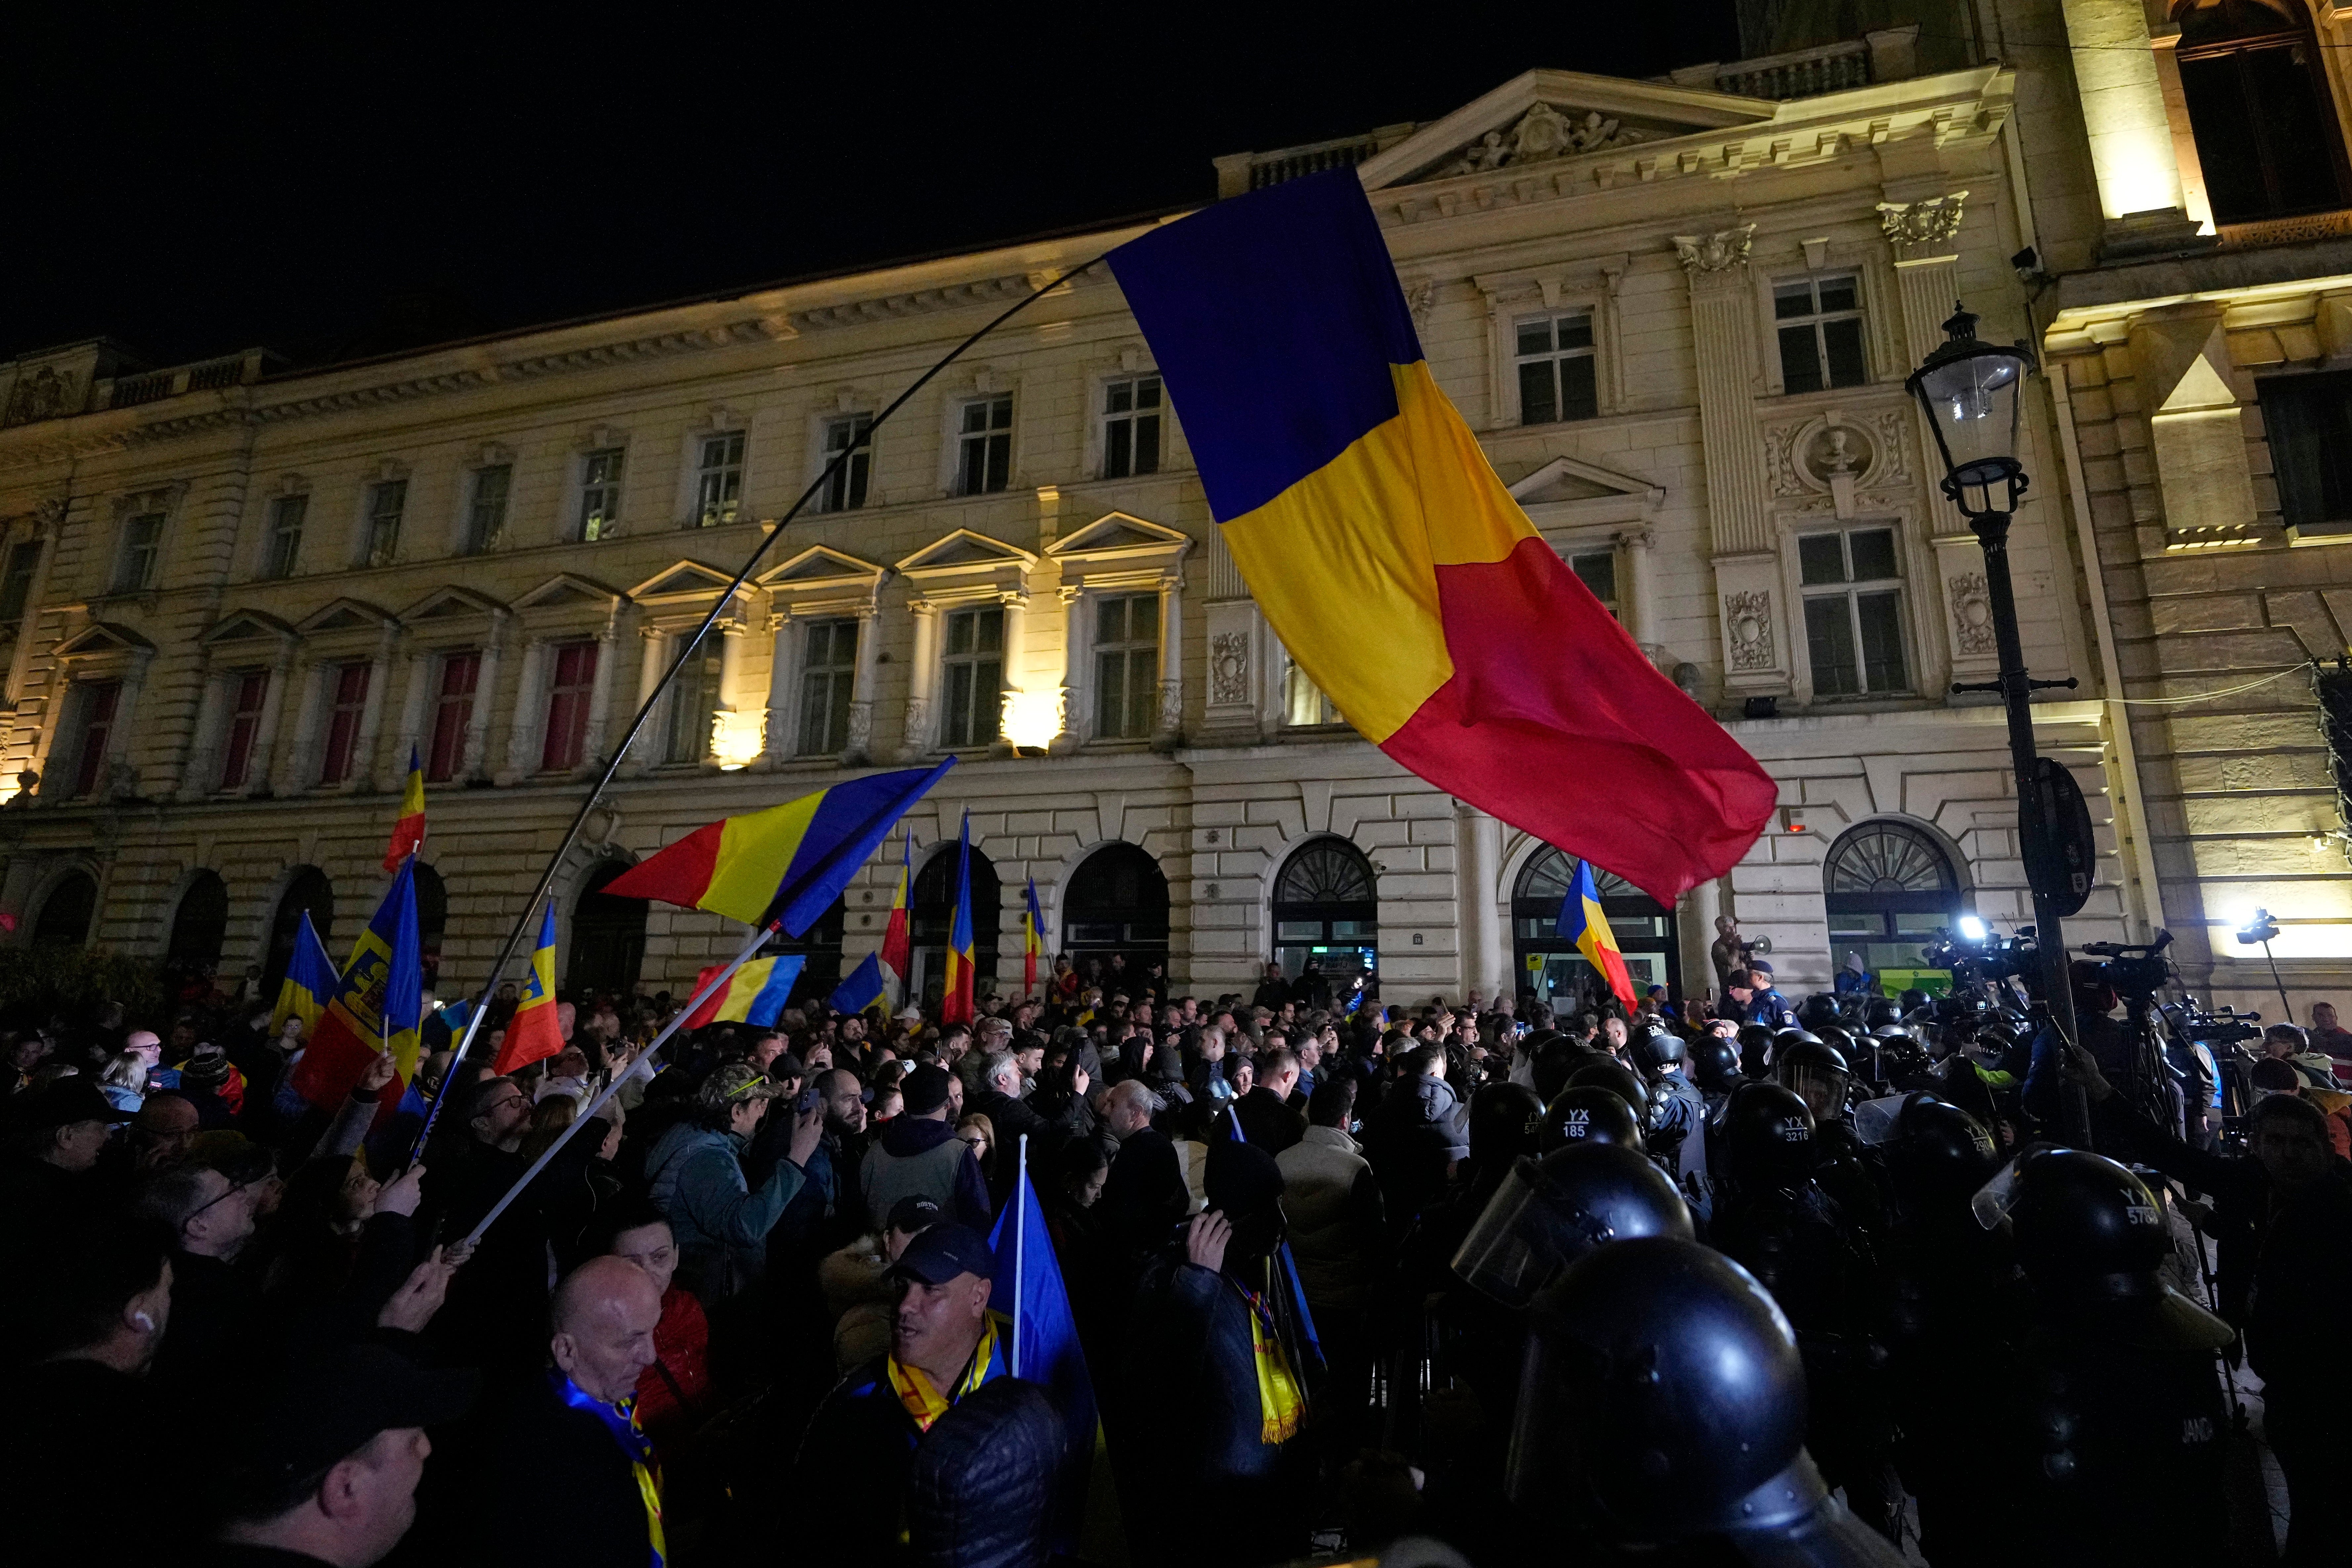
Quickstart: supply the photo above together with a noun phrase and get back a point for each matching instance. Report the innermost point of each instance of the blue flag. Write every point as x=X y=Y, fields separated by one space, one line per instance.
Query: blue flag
x=862 y=990
x=1045 y=1342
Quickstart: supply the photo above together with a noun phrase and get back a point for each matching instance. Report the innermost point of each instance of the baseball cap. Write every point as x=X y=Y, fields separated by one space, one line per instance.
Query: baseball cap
x=738 y=1083
x=788 y=1065
x=68 y=1100
x=925 y=1089
x=941 y=1253
x=913 y=1215
x=328 y=1403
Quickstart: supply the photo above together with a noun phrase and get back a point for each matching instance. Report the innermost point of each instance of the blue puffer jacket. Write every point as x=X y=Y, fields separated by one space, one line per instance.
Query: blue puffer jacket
x=696 y=1174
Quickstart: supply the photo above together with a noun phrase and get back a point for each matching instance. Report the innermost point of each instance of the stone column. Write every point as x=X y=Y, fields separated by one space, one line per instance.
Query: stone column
x=525 y=732
x=731 y=717
x=197 y=774
x=414 y=703
x=1756 y=658
x=1926 y=276
x=121 y=771
x=289 y=767
x=485 y=698
x=1639 y=602
x=1168 y=727
x=922 y=679
x=1077 y=670
x=1477 y=863
x=861 y=690
x=600 y=698
x=652 y=662
x=363 y=747
x=1016 y=667
x=1695 y=916
x=260 y=763
x=780 y=736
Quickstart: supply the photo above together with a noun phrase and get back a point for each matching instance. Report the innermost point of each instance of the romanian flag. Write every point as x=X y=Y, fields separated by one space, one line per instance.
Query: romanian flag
x=955 y=1005
x=533 y=1032
x=864 y=988
x=754 y=995
x=786 y=864
x=378 y=1004
x=1353 y=496
x=1044 y=1345
x=1581 y=922
x=1032 y=940
x=408 y=831
x=310 y=981
x=898 y=938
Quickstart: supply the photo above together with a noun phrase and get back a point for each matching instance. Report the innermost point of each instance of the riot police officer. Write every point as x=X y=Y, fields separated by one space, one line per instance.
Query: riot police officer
x=1588 y=1113
x=1677 y=1122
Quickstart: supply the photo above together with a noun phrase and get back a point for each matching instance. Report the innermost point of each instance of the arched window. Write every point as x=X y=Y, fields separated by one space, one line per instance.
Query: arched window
x=1553 y=967
x=820 y=945
x=931 y=907
x=608 y=935
x=1327 y=909
x=199 y=927
x=2260 y=109
x=1117 y=901
x=308 y=889
x=432 y=919
x=67 y=912
x=1890 y=888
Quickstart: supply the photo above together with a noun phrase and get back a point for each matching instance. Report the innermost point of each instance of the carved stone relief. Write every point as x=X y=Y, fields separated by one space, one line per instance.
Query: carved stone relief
x=1931 y=222
x=47 y=394
x=1747 y=622
x=1717 y=252
x=1972 y=613
x=1544 y=133
x=1229 y=669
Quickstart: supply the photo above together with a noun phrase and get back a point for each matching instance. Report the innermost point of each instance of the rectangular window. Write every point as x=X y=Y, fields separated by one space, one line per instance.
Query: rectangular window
x=98 y=701
x=1598 y=571
x=285 y=543
x=143 y=543
x=568 y=694
x=828 y=680
x=452 y=715
x=385 y=502
x=1126 y=665
x=974 y=672
x=984 y=453
x=2308 y=419
x=1853 y=633
x=1819 y=323
x=1131 y=427
x=719 y=481
x=600 y=494
x=250 y=693
x=693 y=702
x=485 y=516
x=845 y=487
x=349 y=704
x=17 y=583
x=1556 y=369
x=1303 y=702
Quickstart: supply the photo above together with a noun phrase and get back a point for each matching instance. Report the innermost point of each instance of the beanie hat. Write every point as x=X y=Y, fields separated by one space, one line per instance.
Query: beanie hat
x=924 y=1091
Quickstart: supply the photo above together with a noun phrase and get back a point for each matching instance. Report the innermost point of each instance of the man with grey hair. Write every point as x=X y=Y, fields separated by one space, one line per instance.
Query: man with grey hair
x=1000 y=1101
x=1145 y=1193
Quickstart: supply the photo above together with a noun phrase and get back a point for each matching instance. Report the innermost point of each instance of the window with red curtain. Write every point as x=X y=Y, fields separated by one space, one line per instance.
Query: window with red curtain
x=99 y=698
x=244 y=727
x=343 y=722
x=567 y=706
x=453 y=712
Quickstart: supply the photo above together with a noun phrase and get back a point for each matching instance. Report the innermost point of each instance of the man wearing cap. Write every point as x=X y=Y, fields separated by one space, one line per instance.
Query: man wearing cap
x=944 y=1342
x=62 y=1129
x=918 y=1155
x=696 y=1175
x=323 y=1466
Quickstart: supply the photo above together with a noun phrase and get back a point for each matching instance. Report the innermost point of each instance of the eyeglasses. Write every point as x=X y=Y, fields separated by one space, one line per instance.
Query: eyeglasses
x=234 y=1188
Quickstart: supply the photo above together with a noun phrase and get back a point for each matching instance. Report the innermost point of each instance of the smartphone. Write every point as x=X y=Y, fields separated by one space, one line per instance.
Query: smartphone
x=809 y=1101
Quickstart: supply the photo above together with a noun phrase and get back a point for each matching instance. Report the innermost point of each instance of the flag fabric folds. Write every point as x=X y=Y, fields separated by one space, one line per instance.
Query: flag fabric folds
x=897 y=936
x=408 y=828
x=310 y=981
x=753 y=994
x=1045 y=1349
x=1032 y=940
x=378 y=1004
x=533 y=1032
x=787 y=863
x=955 y=1003
x=864 y=988
x=1581 y=922
x=1352 y=495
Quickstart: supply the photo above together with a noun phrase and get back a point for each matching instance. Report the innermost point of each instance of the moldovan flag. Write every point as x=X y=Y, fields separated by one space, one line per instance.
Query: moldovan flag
x=1581 y=922
x=955 y=1004
x=786 y=864
x=310 y=981
x=408 y=831
x=863 y=989
x=533 y=1032
x=1032 y=940
x=377 y=1006
x=755 y=994
x=1394 y=565
x=898 y=938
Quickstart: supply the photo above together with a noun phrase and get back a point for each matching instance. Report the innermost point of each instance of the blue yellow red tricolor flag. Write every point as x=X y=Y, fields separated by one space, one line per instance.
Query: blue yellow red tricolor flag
x=408 y=828
x=533 y=1032
x=1352 y=496
x=1032 y=940
x=310 y=981
x=864 y=988
x=898 y=937
x=1044 y=1348
x=1581 y=922
x=379 y=1001
x=955 y=1002
x=754 y=995
x=787 y=863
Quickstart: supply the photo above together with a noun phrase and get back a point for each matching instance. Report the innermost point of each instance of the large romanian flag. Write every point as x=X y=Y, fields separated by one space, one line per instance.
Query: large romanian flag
x=897 y=956
x=378 y=1004
x=956 y=1001
x=786 y=864
x=755 y=994
x=534 y=1032
x=1394 y=565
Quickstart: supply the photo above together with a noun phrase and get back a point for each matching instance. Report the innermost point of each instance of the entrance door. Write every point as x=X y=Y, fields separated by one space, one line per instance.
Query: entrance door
x=930 y=910
x=1327 y=912
x=1116 y=902
x=1553 y=969
x=608 y=936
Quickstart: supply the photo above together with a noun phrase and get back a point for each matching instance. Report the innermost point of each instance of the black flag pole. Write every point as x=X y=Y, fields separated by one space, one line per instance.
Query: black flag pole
x=685 y=652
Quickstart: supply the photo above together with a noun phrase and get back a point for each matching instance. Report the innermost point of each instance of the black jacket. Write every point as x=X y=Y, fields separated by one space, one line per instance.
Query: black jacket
x=1145 y=1193
x=1267 y=1120
x=1013 y=1117
x=475 y=1505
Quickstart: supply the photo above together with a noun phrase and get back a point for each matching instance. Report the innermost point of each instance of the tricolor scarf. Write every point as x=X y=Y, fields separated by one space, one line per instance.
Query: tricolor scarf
x=620 y=1421
x=926 y=1403
x=1281 y=1402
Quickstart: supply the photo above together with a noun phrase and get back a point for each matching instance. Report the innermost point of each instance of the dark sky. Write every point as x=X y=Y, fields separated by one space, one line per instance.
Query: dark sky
x=338 y=179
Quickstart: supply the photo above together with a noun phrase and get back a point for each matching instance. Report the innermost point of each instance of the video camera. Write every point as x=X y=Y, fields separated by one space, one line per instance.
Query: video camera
x=1974 y=954
x=2213 y=1030
x=2135 y=971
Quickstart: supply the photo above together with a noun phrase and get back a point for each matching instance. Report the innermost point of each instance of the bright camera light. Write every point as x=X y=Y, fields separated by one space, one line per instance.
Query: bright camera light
x=1972 y=928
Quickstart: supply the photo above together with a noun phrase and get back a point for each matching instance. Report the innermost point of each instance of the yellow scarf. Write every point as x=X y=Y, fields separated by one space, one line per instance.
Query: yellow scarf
x=1281 y=1406
x=926 y=1403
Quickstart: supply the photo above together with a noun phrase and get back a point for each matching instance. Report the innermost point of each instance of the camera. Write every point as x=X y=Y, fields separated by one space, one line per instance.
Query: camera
x=2133 y=971
x=2214 y=1030
x=1976 y=956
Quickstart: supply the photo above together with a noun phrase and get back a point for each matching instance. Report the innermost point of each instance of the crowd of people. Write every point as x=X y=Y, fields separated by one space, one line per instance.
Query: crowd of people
x=1681 y=1281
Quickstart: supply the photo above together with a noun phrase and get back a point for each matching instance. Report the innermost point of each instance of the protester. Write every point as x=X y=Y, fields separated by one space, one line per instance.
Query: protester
x=695 y=1175
x=919 y=1156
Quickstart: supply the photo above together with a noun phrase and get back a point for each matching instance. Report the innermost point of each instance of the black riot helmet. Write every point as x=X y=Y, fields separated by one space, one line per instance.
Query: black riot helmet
x=1837 y=1037
x=1818 y=1011
x=1664 y=1387
x=1767 y=1135
x=1882 y=1010
x=1755 y=1049
x=1505 y=1120
x=1611 y=1074
x=1939 y=1152
x=1714 y=1062
x=1588 y=1113
x=1816 y=1069
x=2087 y=1228
x=1549 y=1212
x=1653 y=1047
x=1554 y=1060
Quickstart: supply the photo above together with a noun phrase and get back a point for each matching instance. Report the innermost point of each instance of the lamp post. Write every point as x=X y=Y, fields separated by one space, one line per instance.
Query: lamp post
x=2260 y=928
x=1971 y=391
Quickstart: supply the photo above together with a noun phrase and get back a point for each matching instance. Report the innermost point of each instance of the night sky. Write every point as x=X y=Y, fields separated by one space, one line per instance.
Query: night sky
x=338 y=181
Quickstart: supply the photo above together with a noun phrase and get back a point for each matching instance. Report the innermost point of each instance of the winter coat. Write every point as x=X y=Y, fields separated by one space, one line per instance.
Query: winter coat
x=919 y=1157
x=695 y=1175
x=1333 y=1204
x=1418 y=1130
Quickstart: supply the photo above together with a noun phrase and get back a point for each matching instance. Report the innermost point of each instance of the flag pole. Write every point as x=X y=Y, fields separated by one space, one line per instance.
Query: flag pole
x=1020 y=1236
x=758 y=940
x=685 y=652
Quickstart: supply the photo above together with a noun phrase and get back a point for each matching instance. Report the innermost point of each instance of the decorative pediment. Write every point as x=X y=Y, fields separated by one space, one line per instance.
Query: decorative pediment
x=1116 y=551
x=819 y=581
x=450 y=604
x=102 y=638
x=245 y=627
x=818 y=563
x=567 y=596
x=964 y=550
x=1567 y=491
x=1116 y=532
x=681 y=580
x=1542 y=115
x=347 y=615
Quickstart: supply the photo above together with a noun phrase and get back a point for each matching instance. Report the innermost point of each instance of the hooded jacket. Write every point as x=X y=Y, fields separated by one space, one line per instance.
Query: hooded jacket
x=917 y=1156
x=1417 y=1130
x=695 y=1175
x=1333 y=1204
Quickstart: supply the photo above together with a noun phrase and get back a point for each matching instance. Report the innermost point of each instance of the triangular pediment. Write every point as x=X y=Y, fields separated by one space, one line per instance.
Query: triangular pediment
x=248 y=626
x=682 y=579
x=104 y=638
x=1115 y=532
x=963 y=548
x=1569 y=480
x=346 y=615
x=565 y=591
x=818 y=563
x=448 y=603
x=1542 y=115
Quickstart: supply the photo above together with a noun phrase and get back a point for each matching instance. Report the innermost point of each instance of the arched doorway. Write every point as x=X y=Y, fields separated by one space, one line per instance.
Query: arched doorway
x=68 y=913
x=1552 y=966
x=931 y=906
x=1117 y=903
x=821 y=946
x=1890 y=888
x=199 y=928
x=307 y=888
x=1326 y=910
x=608 y=935
x=432 y=921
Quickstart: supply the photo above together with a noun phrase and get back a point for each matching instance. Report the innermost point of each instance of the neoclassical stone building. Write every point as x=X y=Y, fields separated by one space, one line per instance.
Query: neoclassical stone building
x=1679 y=314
